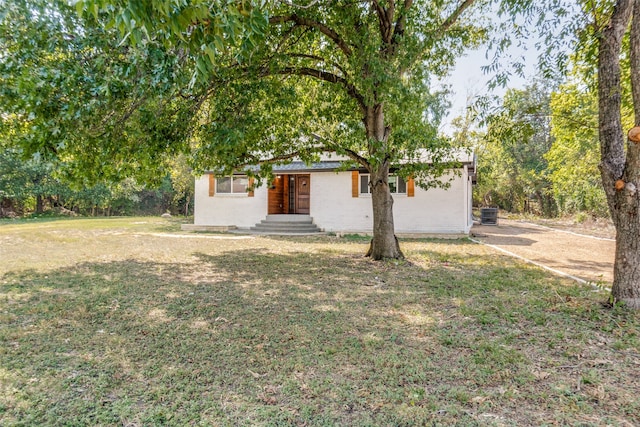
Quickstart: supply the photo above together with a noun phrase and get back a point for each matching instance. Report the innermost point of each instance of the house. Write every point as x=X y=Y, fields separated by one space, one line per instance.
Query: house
x=333 y=199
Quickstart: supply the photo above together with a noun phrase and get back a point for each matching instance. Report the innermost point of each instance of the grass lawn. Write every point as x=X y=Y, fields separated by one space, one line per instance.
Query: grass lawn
x=130 y=322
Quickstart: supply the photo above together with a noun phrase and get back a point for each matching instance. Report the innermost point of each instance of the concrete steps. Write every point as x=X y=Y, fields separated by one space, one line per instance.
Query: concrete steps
x=286 y=224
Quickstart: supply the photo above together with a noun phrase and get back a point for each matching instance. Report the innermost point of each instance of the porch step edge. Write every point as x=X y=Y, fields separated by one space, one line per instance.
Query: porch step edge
x=288 y=218
x=286 y=224
x=309 y=229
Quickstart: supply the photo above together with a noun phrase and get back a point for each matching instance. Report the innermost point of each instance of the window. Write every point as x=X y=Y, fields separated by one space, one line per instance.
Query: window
x=397 y=185
x=232 y=184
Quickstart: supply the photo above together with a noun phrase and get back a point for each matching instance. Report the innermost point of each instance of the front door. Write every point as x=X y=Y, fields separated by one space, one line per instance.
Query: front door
x=289 y=194
x=303 y=191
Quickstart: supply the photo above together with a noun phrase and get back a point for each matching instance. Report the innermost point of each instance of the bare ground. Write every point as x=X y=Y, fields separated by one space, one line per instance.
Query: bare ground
x=583 y=252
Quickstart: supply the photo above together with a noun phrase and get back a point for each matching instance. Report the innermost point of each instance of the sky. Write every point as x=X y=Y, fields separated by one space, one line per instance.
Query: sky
x=468 y=81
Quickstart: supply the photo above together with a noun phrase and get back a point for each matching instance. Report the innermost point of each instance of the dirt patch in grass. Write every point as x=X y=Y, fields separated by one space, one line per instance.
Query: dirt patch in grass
x=579 y=255
x=581 y=224
x=136 y=327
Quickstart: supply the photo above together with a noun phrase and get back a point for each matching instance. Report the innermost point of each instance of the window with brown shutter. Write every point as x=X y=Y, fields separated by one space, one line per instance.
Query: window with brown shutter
x=355 y=180
x=251 y=193
x=411 y=190
x=212 y=185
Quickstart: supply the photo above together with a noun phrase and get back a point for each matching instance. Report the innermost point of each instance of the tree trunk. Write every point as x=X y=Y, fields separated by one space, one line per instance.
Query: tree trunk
x=39 y=204
x=626 y=271
x=621 y=171
x=384 y=243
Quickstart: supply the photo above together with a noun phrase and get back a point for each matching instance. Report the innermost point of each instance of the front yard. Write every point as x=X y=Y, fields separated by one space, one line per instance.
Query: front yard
x=130 y=322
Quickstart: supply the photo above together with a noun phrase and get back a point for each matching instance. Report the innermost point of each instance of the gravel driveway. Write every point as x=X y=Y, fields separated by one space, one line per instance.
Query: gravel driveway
x=585 y=257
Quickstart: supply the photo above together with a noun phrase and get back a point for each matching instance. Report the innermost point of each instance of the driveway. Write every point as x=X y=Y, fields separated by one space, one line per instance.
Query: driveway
x=584 y=257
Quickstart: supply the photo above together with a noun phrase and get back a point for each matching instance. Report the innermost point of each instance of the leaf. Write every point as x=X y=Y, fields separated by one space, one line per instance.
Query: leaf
x=80 y=7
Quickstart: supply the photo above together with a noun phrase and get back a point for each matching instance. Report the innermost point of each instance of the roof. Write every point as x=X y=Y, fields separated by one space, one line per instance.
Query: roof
x=465 y=157
x=302 y=166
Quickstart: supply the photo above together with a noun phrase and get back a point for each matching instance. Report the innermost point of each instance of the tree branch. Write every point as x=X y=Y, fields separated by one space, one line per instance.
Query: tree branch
x=384 y=19
x=285 y=37
x=317 y=58
x=358 y=158
x=453 y=18
x=253 y=160
x=329 y=147
x=306 y=6
x=398 y=31
x=329 y=32
x=321 y=75
x=106 y=122
x=446 y=25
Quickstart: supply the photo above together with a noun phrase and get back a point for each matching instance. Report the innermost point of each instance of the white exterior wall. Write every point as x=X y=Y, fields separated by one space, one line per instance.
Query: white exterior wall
x=333 y=208
x=433 y=211
x=437 y=210
x=238 y=210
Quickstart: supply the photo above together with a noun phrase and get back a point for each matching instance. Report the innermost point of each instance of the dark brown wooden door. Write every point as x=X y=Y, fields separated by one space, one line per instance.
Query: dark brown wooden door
x=303 y=192
x=276 y=204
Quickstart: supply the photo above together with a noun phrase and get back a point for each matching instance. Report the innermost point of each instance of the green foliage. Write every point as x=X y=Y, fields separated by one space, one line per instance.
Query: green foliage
x=22 y=182
x=207 y=29
x=575 y=153
x=544 y=145
x=310 y=82
x=116 y=88
x=126 y=87
x=69 y=91
x=34 y=186
x=181 y=178
x=512 y=168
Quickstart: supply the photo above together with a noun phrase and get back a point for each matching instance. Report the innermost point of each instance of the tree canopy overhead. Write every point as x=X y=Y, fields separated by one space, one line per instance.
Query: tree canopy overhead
x=239 y=82
x=72 y=92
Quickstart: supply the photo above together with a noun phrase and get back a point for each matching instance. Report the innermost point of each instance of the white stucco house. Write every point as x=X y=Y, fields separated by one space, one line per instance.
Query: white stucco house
x=334 y=200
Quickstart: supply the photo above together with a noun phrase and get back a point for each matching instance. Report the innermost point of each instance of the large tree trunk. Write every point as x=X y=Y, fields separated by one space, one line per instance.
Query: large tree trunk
x=621 y=171
x=626 y=271
x=384 y=243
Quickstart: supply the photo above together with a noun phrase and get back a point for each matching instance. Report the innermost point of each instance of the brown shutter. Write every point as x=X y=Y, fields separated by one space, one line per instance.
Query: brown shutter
x=212 y=185
x=355 y=177
x=411 y=190
x=251 y=194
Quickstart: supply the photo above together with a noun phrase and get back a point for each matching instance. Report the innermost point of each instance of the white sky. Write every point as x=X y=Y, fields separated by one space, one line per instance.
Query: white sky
x=467 y=81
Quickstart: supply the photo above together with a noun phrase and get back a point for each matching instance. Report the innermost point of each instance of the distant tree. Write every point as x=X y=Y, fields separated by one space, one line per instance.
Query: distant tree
x=34 y=186
x=574 y=155
x=182 y=182
x=25 y=185
x=512 y=167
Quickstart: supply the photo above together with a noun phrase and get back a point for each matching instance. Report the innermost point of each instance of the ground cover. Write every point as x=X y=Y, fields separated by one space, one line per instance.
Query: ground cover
x=130 y=322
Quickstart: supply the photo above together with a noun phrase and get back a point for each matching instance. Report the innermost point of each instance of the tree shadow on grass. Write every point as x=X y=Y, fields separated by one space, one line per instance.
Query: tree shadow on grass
x=254 y=337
